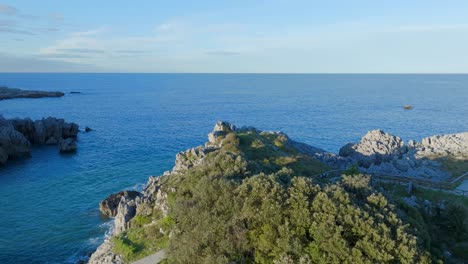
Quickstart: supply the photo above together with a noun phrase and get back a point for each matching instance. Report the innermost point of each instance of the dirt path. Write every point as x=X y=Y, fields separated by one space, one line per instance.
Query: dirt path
x=151 y=259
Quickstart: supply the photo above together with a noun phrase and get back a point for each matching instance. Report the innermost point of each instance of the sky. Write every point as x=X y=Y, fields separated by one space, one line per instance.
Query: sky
x=276 y=36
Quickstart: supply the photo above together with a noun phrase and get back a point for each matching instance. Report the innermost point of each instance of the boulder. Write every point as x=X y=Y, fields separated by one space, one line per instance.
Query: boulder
x=67 y=145
x=88 y=129
x=109 y=205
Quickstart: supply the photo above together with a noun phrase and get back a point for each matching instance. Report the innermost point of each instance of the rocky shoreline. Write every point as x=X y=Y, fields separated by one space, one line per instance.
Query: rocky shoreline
x=12 y=93
x=377 y=152
x=18 y=135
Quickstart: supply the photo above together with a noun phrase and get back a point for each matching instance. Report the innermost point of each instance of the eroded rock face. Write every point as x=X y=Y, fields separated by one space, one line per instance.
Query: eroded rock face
x=443 y=145
x=17 y=135
x=104 y=255
x=221 y=128
x=382 y=153
x=125 y=212
x=374 y=148
x=109 y=205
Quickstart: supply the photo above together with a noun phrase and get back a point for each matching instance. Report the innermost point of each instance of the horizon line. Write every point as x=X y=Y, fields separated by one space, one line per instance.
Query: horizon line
x=259 y=73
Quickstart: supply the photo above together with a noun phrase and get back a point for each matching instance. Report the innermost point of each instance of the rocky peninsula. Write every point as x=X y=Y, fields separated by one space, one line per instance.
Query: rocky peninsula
x=145 y=221
x=17 y=136
x=12 y=93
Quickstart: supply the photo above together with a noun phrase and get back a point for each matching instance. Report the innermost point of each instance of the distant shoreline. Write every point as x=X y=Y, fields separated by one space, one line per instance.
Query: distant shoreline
x=14 y=93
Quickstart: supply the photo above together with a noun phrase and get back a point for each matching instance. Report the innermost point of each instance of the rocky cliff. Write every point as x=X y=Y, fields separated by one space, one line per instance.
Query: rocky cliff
x=376 y=152
x=17 y=136
x=380 y=152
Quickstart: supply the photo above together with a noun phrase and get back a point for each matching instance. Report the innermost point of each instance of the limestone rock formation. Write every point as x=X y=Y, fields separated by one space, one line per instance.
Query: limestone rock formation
x=109 y=205
x=104 y=255
x=221 y=128
x=443 y=145
x=17 y=136
x=374 y=148
x=382 y=153
x=125 y=212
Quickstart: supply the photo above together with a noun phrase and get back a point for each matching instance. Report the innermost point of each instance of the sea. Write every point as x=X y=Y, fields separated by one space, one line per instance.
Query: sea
x=49 y=202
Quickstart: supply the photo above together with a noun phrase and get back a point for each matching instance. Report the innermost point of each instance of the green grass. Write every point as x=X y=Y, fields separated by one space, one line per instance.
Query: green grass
x=270 y=152
x=140 y=220
x=140 y=242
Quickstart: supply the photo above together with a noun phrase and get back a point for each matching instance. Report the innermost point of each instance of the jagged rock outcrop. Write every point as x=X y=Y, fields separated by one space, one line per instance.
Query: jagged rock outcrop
x=13 y=144
x=377 y=152
x=109 y=205
x=17 y=136
x=444 y=145
x=12 y=93
x=125 y=212
x=374 y=148
x=221 y=128
x=104 y=255
x=382 y=153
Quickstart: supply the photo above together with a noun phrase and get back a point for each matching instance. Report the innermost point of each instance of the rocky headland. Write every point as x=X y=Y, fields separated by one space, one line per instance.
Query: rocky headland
x=17 y=136
x=376 y=152
x=12 y=93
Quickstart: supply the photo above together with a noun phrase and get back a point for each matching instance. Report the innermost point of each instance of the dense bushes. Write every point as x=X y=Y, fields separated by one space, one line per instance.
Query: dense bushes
x=256 y=201
x=232 y=208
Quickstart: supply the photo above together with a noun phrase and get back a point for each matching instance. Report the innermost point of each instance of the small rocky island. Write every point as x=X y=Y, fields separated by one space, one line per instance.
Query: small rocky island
x=247 y=192
x=17 y=136
x=12 y=93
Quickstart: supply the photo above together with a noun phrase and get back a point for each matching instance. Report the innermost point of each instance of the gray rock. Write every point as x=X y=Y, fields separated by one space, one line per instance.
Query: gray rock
x=13 y=143
x=3 y=156
x=109 y=205
x=125 y=212
x=374 y=148
x=67 y=145
x=409 y=189
x=104 y=255
x=220 y=129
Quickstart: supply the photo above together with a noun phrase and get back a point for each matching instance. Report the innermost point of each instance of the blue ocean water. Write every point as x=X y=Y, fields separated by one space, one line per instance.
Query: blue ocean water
x=49 y=203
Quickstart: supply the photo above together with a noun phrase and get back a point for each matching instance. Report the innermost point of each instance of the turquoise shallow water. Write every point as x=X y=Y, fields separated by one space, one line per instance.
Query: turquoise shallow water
x=49 y=203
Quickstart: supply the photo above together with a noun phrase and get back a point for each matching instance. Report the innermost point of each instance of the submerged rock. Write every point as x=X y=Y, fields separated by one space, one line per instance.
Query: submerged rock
x=67 y=145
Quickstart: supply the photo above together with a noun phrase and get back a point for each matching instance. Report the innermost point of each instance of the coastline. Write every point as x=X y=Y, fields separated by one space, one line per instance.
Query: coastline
x=372 y=154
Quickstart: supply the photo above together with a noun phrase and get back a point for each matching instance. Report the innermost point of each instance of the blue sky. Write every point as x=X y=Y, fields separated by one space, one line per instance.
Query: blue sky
x=234 y=36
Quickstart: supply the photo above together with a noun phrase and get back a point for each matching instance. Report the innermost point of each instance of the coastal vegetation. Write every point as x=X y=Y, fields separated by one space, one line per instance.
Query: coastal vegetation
x=257 y=199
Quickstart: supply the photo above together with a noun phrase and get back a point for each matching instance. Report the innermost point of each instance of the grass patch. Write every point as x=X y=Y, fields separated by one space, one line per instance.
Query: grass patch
x=139 y=242
x=455 y=165
x=268 y=152
x=140 y=220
